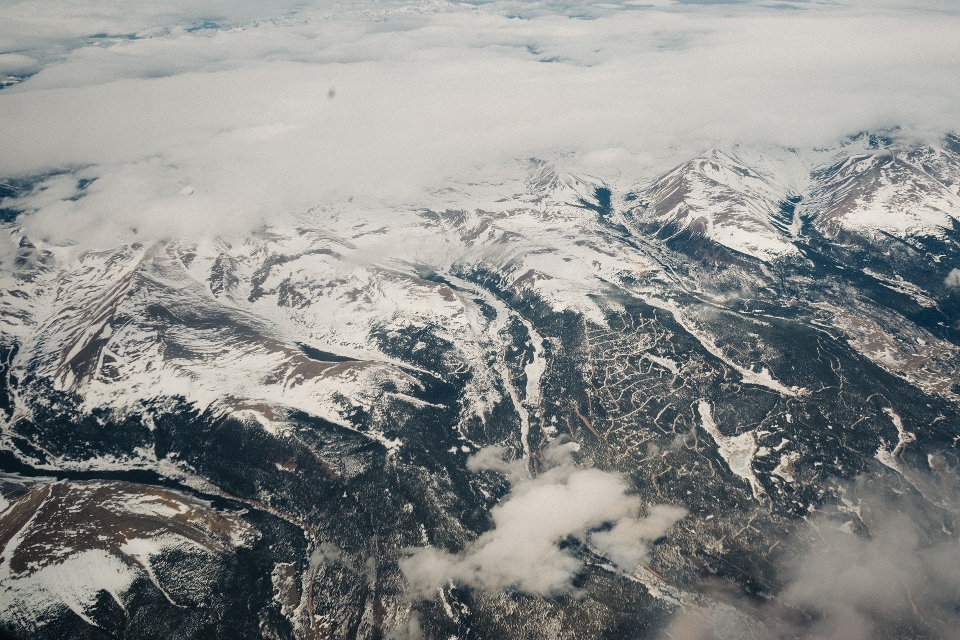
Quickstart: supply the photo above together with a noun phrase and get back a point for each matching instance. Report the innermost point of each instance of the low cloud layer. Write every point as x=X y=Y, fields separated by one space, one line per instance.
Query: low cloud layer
x=522 y=551
x=896 y=578
x=895 y=573
x=206 y=118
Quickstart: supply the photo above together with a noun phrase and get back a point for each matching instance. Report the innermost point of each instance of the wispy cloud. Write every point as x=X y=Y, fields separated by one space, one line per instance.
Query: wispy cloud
x=889 y=568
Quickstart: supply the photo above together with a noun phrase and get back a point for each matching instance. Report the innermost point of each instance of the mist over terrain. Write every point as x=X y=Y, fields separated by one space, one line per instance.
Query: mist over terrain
x=388 y=319
x=197 y=119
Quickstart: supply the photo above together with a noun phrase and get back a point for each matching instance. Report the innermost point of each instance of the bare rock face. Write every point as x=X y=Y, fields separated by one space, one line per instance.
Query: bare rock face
x=280 y=436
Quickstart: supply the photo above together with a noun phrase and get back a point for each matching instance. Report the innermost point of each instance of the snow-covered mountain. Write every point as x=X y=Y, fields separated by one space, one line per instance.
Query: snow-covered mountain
x=897 y=191
x=287 y=415
x=718 y=200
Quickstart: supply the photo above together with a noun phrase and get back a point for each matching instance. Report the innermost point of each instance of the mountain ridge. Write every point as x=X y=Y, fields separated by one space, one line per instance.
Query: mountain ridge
x=736 y=342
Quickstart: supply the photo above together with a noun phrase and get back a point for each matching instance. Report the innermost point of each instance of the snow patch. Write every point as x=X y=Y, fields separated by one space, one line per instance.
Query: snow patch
x=785 y=469
x=891 y=457
x=737 y=451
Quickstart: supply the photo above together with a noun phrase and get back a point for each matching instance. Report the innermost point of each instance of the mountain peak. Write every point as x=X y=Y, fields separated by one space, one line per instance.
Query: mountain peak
x=548 y=184
x=716 y=199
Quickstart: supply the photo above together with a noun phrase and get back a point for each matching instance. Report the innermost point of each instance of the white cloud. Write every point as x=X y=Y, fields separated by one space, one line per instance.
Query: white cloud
x=953 y=278
x=430 y=91
x=522 y=549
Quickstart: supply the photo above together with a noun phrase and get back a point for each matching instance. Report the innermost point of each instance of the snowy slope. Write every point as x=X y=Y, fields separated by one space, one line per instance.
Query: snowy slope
x=905 y=192
x=119 y=327
x=721 y=200
x=65 y=543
